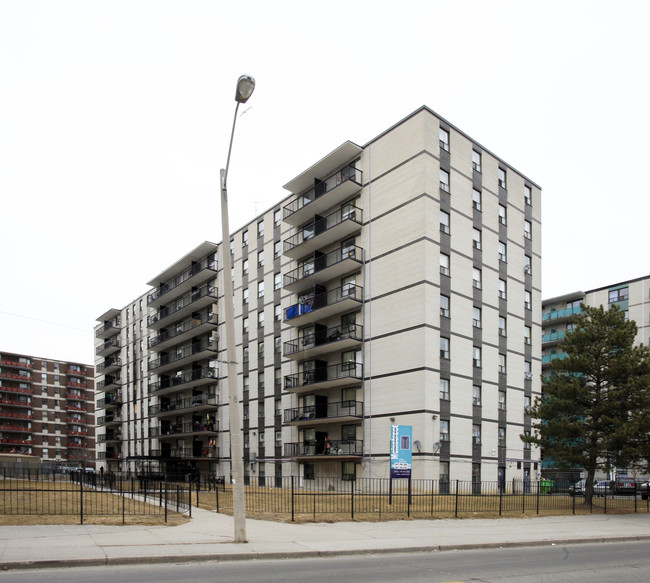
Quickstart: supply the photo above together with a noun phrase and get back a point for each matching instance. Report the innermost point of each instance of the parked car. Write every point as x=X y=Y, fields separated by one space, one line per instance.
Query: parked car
x=602 y=488
x=624 y=486
x=577 y=489
x=643 y=488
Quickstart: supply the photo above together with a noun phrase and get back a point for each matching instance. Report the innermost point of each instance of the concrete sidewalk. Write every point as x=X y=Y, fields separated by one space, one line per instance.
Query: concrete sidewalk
x=209 y=536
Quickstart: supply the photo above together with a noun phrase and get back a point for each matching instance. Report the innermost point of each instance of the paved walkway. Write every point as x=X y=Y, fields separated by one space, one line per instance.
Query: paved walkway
x=209 y=536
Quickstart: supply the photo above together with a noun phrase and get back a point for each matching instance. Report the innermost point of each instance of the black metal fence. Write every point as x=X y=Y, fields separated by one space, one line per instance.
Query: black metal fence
x=86 y=494
x=370 y=499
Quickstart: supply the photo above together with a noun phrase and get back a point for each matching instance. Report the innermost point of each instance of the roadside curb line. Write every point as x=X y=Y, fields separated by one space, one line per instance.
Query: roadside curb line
x=307 y=554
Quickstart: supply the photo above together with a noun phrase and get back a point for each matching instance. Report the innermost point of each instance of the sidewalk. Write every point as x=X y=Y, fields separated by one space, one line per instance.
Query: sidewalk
x=209 y=536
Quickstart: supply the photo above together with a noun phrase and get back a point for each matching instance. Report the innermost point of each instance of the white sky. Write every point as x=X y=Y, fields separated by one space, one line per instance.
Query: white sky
x=115 y=119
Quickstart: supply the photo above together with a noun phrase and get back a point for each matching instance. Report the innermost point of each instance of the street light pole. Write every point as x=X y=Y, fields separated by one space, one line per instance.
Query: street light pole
x=245 y=87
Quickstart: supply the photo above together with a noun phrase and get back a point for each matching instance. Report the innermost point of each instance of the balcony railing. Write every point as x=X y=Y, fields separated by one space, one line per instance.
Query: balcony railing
x=109 y=436
x=77 y=396
x=109 y=400
x=187 y=453
x=329 y=448
x=324 y=231
x=196 y=402
x=110 y=346
x=319 y=269
x=15 y=363
x=193 y=299
x=8 y=414
x=313 y=306
x=74 y=420
x=185 y=354
x=334 y=375
x=187 y=328
x=106 y=419
x=187 y=378
x=559 y=314
x=311 y=342
x=328 y=411
x=553 y=336
x=204 y=427
x=4 y=374
x=108 y=365
x=108 y=329
x=71 y=384
x=207 y=265
x=548 y=358
x=348 y=180
x=17 y=428
x=109 y=455
x=15 y=402
x=8 y=389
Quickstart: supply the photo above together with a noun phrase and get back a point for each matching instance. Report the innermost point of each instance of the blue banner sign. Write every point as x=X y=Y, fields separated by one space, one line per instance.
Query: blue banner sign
x=401 y=438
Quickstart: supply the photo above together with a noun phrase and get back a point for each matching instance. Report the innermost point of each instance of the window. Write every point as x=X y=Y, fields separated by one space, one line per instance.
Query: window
x=277 y=249
x=277 y=377
x=444 y=139
x=444 y=222
x=309 y=471
x=476 y=395
x=348 y=286
x=444 y=180
x=348 y=471
x=502 y=437
x=260 y=349
x=278 y=343
x=260 y=380
x=260 y=319
x=502 y=326
x=528 y=270
x=444 y=389
x=527 y=403
x=528 y=230
x=444 y=347
x=444 y=430
x=277 y=281
x=277 y=409
x=528 y=303
x=502 y=363
x=503 y=215
x=245 y=326
x=444 y=472
x=476 y=199
x=502 y=400
x=444 y=264
x=232 y=250
x=476 y=160
x=246 y=384
x=245 y=295
x=245 y=354
x=502 y=252
x=245 y=412
x=476 y=357
x=260 y=289
x=277 y=217
x=476 y=317
x=528 y=197
x=502 y=178
x=260 y=259
x=528 y=371
x=476 y=239
x=444 y=306
x=619 y=295
x=260 y=229
x=527 y=335
x=278 y=437
x=244 y=239
x=527 y=435
x=476 y=434
x=244 y=267
x=277 y=312
x=477 y=278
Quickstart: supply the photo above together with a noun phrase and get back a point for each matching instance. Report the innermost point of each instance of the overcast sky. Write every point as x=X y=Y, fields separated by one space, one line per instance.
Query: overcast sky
x=115 y=119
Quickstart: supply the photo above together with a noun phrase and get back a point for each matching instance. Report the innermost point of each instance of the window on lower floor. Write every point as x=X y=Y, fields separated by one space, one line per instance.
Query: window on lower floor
x=444 y=306
x=444 y=389
x=476 y=395
x=348 y=471
x=309 y=471
x=502 y=400
x=444 y=264
x=476 y=434
x=444 y=430
x=444 y=347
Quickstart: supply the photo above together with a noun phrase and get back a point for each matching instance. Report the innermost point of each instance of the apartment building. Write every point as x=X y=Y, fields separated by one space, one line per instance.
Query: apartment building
x=397 y=284
x=47 y=411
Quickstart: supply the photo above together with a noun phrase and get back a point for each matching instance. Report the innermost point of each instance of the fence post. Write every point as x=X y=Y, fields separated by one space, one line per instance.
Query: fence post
x=605 y=500
x=81 y=499
x=500 y=500
x=189 y=499
x=293 y=516
x=574 y=502
x=123 y=499
x=216 y=491
x=432 y=484
x=456 y=510
x=523 y=498
x=198 y=487
x=538 y=488
x=165 y=500
x=408 y=501
x=352 y=499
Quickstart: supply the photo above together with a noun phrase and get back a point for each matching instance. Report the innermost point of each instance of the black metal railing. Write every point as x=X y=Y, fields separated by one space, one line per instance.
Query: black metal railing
x=181 y=303
x=195 y=348
x=322 y=225
x=182 y=328
x=325 y=411
x=344 y=370
x=310 y=339
x=178 y=380
x=316 y=264
x=177 y=406
x=209 y=264
x=315 y=301
x=326 y=447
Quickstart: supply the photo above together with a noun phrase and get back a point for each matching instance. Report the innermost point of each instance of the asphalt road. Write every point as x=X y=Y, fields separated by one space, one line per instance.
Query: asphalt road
x=606 y=562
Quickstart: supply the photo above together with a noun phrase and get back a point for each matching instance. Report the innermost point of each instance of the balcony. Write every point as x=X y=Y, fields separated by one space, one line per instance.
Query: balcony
x=183 y=357
x=334 y=190
x=16 y=364
x=345 y=374
x=184 y=331
x=190 y=428
x=195 y=403
x=75 y=408
x=108 y=419
x=109 y=365
x=319 y=306
x=111 y=400
x=314 y=342
x=109 y=347
x=77 y=445
x=108 y=329
x=75 y=384
x=327 y=413
x=17 y=441
x=12 y=427
x=548 y=358
x=192 y=302
x=10 y=414
x=553 y=337
x=323 y=267
x=17 y=390
x=208 y=452
x=76 y=420
x=109 y=383
x=325 y=450
x=109 y=455
x=77 y=432
x=109 y=436
x=324 y=231
x=77 y=396
x=8 y=400
x=5 y=374
x=559 y=315
x=196 y=275
x=191 y=378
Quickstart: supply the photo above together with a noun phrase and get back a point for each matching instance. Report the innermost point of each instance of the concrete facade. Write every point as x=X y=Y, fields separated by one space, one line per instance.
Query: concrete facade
x=398 y=284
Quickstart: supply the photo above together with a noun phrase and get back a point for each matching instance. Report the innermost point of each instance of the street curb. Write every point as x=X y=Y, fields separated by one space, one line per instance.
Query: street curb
x=233 y=557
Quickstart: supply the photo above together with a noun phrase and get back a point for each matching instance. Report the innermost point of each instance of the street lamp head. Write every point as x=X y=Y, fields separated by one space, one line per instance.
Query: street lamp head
x=245 y=87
